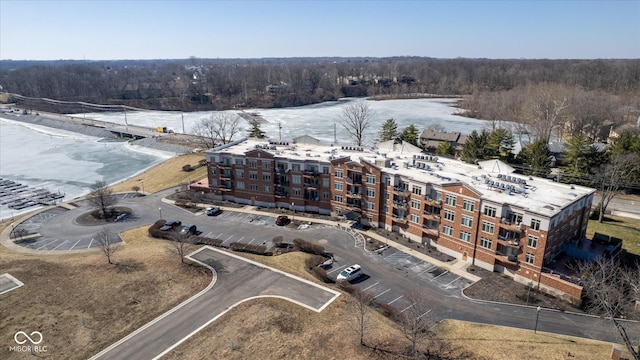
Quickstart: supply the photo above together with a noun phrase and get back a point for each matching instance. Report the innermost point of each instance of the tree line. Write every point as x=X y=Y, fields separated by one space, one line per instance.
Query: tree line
x=218 y=84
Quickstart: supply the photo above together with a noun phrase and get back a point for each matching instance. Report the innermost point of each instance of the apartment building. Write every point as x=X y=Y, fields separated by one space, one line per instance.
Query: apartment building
x=482 y=214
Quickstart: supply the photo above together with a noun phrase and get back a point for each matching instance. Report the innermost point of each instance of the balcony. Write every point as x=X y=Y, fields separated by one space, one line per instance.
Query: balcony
x=281 y=194
x=223 y=166
x=311 y=185
x=400 y=205
x=354 y=180
x=226 y=175
x=430 y=215
x=514 y=243
x=398 y=219
x=433 y=202
x=399 y=190
x=507 y=224
x=311 y=173
x=354 y=205
x=354 y=194
x=281 y=182
x=430 y=230
x=281 y=170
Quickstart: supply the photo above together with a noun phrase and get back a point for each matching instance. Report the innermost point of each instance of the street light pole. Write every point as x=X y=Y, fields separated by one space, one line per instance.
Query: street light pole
x=293 y=206
x=535 y=331
x=160 y=210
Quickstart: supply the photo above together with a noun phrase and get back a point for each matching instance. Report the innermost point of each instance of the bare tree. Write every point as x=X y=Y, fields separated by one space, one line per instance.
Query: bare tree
x=102 y=197
x=415 y=320
x=220 y=126
x=107 y=243
x=606 y=287
x=357 y=120
x=546 y=110
x=181 y=245
x=611 y=177
x=360 y=308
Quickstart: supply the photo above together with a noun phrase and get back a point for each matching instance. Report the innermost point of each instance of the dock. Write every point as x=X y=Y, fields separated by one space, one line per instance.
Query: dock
x=18 y=196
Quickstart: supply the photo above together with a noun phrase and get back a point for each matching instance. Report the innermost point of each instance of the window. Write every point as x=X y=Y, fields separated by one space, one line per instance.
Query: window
x=214 y=182
x=267 y=188
x=325 y=195
x=415 y=204
x=416 y=190
x=338 y=198
x=266 y=177
x=370 y=205
x=295 y=167
x=387 y=181
x=371 y=179
x=337 y=186
x=296 y=191
x=338 y=173
x=529 y=258
x=465 y=236
x=488 y=227
x=240 y=174
x=325 y=170
x=485 y=243
x=296 y=179
x=240 y=185
x=386 y=195
x=467 y=221
x=449 y=215
x=325 y=183
x=447 y=230
x=253 y=175
x=253 y=164
x=468 y=205
x=213 y=170
x=254 y=187
x=533 y=241
x=415 y=218
x=490 y=211
x=535 y=224
x=239 y=162
x=371 y=192
x=450 y=200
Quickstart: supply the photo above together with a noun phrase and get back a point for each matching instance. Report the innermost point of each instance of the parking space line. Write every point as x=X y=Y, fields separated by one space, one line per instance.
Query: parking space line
x=209 y=233
x=74 y=245
x=36 y=243
x=239 y=240
x=396 y=299
x=90 y=242
x=382 y=293
x=423 y=271
x=445 y=272
x=454 y=280
x=229 y=238
x=407 y=308
x=52 y=241
x=336 y=269
x=219 y=236
x=369 y=287
x=428 y=311
x=64 y=242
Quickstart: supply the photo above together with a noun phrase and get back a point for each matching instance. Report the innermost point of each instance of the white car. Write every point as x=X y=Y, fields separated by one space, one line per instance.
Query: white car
x=350 y=273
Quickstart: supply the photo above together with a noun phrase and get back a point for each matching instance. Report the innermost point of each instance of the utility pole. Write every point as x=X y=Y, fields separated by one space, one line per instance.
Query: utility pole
x=334 y=133
x=280 y=131
x=183 y=123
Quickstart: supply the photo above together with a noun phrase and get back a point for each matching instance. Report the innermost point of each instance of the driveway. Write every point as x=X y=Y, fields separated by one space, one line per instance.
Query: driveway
x=235 y=280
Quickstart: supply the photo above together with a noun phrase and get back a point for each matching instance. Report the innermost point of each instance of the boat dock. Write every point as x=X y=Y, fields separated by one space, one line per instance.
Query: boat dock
x=18 y=196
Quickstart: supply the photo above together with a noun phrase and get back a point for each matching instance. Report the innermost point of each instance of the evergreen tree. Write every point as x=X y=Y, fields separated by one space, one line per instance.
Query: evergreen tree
x=581 y=160
x=537 y=158
x=410 y=134
x=500 y=144
x=475 y=147
x=255 y=131
x=444 y=149
x=389 y=130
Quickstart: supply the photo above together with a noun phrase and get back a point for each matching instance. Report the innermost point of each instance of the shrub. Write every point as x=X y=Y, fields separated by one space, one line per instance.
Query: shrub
x=595 y=213
x=321 y=274
x=187 y=168
x=277 y=241
x=202 y=162
x=346 y=286
x=308 y=247
x=313 y=261
x=389 y=311
x=253 y=249
x=203 y=240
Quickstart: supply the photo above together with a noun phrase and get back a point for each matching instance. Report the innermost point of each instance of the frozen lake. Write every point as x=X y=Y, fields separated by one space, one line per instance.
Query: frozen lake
x=316 y=120
x=67 y=162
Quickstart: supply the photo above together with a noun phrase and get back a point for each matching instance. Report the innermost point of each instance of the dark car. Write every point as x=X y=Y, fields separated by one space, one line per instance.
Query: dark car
x=282 y=220
x=188 y=229
x=213 y=211
x=170 y=225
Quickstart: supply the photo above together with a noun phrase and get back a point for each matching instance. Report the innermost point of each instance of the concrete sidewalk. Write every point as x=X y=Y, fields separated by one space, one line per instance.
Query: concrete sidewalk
x=457 y=267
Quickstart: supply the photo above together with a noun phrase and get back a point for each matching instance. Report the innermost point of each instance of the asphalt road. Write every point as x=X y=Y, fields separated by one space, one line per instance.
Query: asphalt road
x=390 y=276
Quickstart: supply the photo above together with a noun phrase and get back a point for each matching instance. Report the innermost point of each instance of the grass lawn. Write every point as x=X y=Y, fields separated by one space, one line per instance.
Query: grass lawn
x=81 y=304
x=166 y=174
x=624 y=228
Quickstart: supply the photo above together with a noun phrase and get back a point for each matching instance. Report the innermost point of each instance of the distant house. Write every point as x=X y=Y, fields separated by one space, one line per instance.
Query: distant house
x=430 y=140
x=615 y=133
x=306 y=139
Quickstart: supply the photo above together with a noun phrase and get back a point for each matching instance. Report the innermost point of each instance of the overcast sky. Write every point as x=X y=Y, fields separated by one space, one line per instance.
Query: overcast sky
x=119 y=29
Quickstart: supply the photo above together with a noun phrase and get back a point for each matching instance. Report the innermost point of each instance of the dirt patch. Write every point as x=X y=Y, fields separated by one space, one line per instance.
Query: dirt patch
x=94 y=218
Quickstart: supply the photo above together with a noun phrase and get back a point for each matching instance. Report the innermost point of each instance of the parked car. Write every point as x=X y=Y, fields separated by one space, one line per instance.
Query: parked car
x=188 y=229
x=121 y=217
x=170 y=225
x=213 y=211
x=282 y=220
x=351 y=273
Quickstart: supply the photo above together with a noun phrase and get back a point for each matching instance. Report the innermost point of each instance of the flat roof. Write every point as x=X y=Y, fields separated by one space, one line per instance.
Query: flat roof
x=493 y=179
